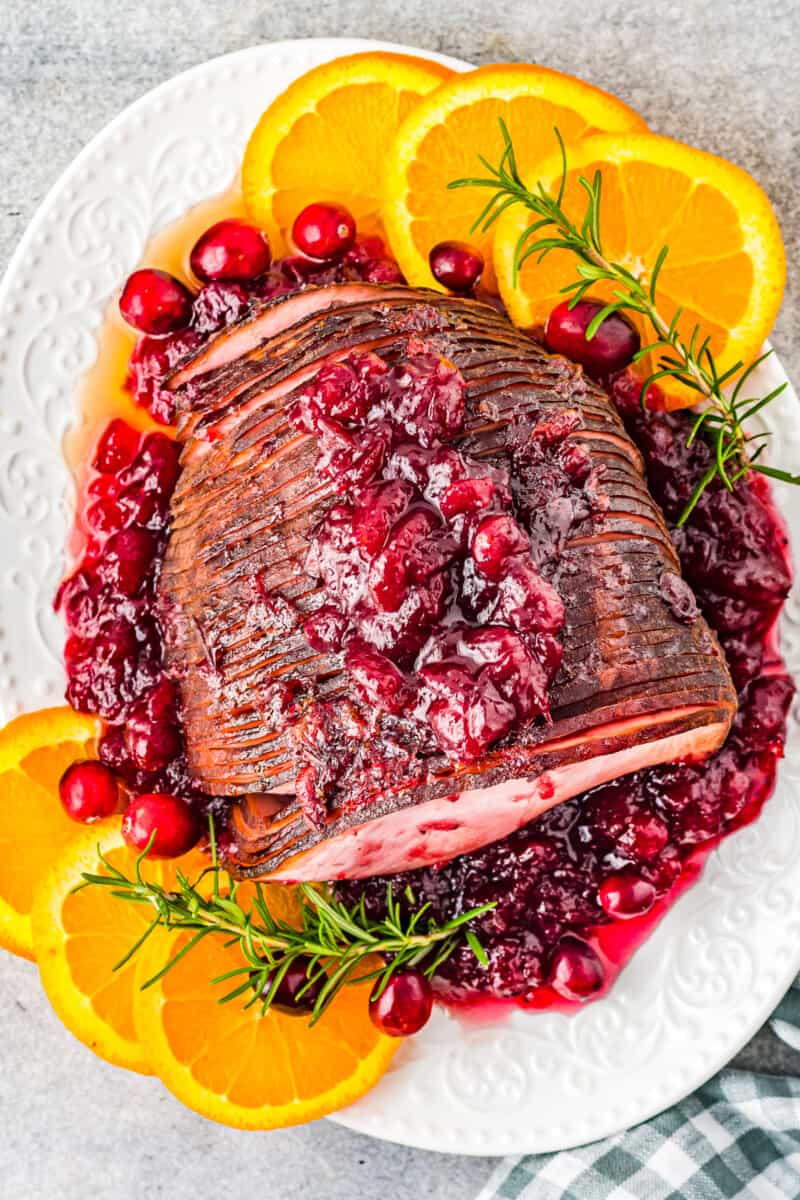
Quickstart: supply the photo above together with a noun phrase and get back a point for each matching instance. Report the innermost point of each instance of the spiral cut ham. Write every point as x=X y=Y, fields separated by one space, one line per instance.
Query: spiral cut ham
x=642 y=680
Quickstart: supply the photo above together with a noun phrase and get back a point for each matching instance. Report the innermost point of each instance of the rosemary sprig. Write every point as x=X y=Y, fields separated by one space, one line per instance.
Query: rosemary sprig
x=334 y=939
x=689 y=361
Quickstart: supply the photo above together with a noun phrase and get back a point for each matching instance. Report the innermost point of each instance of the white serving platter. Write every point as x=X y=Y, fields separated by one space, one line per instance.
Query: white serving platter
x=725 y=953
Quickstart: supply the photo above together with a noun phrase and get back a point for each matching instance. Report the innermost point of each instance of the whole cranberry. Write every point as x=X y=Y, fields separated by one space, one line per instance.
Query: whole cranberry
x=88 y=791
x=404 y=1005
x=456 y=266
x=127 y=558
x=287 y=996
x=151 y=744
x=324 y=630
x=105 y=517
x=155 y=302
x=324 y=231
x=230 y=250
x=111 y=747
x=157 y=465
x=575 y=970
x=169 y=821
x=644 y=836
x=626 y=895
x=497 y=538
x=116 y=447
x=610 y=349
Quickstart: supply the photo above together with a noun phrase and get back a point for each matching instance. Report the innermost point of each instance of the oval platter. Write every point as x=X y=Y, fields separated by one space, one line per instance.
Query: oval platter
x=726 y=951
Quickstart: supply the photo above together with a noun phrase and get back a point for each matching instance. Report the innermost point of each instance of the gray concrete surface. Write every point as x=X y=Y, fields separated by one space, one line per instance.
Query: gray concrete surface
x=717 y=73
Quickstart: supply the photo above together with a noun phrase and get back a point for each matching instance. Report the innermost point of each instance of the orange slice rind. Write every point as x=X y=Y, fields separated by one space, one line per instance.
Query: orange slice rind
x=325 y=137
x=81 y=935
x=35 y=750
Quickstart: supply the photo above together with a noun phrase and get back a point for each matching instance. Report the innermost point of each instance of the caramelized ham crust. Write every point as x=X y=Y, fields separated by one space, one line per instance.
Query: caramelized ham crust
x=641 y=682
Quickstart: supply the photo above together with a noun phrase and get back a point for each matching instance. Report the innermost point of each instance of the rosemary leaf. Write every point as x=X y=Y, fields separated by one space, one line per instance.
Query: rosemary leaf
x=339 y=944
x=690 y=363
x=477 y=949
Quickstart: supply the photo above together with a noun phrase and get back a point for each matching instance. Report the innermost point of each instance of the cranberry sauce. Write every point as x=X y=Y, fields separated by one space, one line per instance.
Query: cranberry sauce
x=733 y=551
x=113 y=650
x=428 y=580
x=576 y=890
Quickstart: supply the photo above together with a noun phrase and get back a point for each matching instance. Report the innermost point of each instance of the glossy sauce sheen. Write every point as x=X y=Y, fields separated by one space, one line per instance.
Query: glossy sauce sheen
x=657 y=826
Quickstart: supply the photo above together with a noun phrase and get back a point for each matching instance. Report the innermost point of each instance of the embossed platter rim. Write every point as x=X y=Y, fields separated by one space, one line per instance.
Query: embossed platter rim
x=726 y=951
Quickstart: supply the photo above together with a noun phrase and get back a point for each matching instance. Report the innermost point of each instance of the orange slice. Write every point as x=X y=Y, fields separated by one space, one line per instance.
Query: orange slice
x=726 y=265
x=444 y=135
x=80 y=936
x=326 y=136
x=228 y=1063
x=35 y=750
x=234 y=1066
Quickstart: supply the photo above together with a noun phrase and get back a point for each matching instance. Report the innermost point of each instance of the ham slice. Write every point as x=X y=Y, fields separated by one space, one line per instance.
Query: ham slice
x=639 y=683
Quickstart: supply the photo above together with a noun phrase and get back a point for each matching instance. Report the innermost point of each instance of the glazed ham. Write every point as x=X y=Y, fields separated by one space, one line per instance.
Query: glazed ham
x=416 y=591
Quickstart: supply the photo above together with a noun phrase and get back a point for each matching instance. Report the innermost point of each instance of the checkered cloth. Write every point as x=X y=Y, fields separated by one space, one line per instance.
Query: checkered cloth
x=738 y=1136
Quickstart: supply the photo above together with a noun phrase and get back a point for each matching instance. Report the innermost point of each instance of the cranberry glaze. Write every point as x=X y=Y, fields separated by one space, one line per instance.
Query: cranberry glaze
x=431 y=595
x=576 y=890
x=429 y=585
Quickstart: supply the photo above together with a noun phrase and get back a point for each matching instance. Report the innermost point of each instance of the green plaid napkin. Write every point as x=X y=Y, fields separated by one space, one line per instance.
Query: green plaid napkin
x=738 y=1136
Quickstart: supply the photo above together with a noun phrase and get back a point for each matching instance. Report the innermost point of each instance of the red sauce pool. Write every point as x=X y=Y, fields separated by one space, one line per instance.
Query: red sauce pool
x=566 y=888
